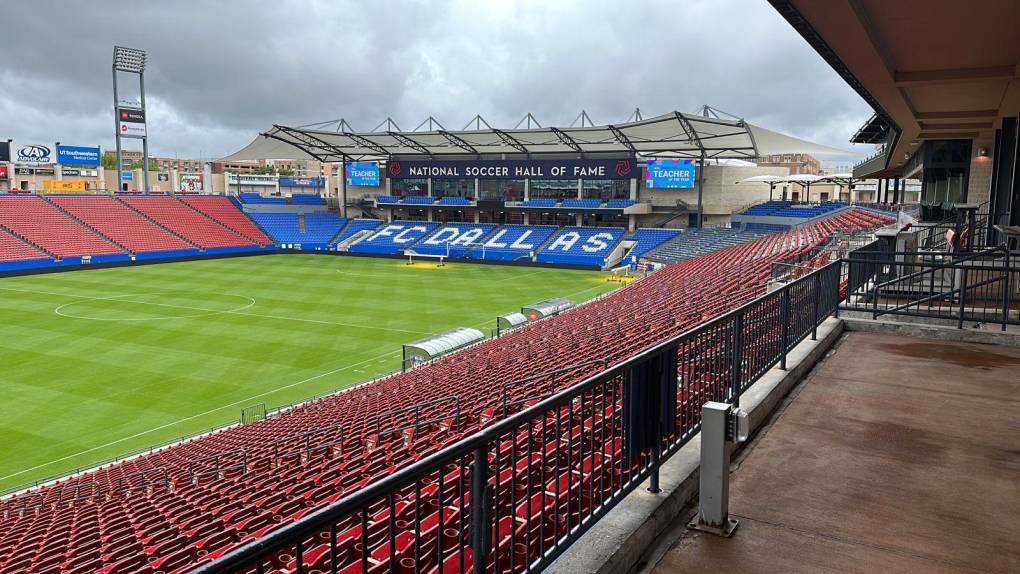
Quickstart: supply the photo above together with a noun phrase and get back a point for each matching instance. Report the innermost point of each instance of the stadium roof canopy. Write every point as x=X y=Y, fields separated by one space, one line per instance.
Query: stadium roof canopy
x=675 y=134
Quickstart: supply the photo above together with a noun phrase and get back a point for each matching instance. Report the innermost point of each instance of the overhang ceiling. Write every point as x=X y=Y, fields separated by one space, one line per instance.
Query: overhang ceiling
x=939 y=69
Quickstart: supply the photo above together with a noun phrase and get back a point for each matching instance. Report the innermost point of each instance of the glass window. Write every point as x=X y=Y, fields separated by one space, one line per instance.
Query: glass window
x=501 y=189
x=453 y=187
x=606 y=189
x=553 y=188
x=410 y=186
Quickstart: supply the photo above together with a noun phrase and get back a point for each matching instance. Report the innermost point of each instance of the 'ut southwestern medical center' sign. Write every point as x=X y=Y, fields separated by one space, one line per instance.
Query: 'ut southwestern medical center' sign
x=514 y=169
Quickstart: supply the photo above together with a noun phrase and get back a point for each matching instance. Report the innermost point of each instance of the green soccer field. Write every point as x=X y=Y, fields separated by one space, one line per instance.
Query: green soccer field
x=98 y=363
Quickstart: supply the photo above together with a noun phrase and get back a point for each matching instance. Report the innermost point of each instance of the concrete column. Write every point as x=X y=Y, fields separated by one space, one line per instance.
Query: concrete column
x=633 y=189
x=631 y=222
x=476 y=214
x=527 y=218
x=527 y=189
x=478 y=194
x=578 y=219
x=580 y=189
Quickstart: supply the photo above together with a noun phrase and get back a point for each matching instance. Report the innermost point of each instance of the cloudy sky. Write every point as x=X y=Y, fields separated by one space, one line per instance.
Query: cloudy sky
x=219 y=72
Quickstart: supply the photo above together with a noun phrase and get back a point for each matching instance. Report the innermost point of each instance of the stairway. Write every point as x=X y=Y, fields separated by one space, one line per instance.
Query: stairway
x=69 y=215
x=17 y=236
x=158 y=224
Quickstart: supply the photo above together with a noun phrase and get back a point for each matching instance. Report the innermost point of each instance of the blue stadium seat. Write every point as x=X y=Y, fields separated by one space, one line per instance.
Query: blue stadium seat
x=648 y=239
x=512 y=242
x=418 y=200
x=583 y=203
x=454 y=239
x=354 y=226
x=581 y=246
x=539 y=203
x=393 y=238
x=284 y=228
x=620 y=203
x=387 y=199
x=454 y=200
x=257 y=198
x=306 y=199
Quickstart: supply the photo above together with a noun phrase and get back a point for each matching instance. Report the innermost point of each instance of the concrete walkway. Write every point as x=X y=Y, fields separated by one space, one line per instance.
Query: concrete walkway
x=898 y=455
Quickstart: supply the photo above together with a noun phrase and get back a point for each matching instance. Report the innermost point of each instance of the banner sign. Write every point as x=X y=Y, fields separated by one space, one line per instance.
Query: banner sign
x=75 y=155
x=301 y=182
x=670 y=173
x=162 y=177
x=24 y=171
x=251 y=179
x=190 y=182
x=4 y=174
x=5 y=151
x=131 y=122
x=363 y=173
x=127 y=176
x=515 y=169
x=34 y=154
x=45 y=171
x=80 y=172
x=63 y=186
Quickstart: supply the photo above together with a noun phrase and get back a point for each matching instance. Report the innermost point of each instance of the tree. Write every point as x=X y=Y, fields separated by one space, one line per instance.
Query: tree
x=138 y=165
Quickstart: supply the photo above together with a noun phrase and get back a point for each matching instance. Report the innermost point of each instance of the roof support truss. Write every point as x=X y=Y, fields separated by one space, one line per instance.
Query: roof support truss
x=365 y=142
x=403 y=139
x=566 y=140
x=511 y=141
x=458 y=141
x=621 y=138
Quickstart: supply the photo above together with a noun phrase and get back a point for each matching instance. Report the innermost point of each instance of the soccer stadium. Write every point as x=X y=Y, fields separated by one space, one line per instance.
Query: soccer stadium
x=562 y=348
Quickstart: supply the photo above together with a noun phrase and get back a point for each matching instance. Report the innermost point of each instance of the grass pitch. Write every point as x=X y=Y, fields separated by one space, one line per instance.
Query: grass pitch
x=97 y=363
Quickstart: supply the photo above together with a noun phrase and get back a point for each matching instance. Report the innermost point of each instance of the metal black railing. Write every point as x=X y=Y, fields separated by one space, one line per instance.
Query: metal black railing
x=514 y=495
x=973 y=287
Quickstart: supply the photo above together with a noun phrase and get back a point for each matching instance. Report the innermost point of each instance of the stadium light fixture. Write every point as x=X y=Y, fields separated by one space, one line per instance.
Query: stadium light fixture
x=129 y=60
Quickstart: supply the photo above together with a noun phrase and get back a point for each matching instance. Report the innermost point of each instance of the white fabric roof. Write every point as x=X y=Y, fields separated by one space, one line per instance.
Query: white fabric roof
x=447 y=341
x=674 y=134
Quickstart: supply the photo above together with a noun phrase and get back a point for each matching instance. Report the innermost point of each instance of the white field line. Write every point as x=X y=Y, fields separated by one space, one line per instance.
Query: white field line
x=210 y=411
x=210 y=311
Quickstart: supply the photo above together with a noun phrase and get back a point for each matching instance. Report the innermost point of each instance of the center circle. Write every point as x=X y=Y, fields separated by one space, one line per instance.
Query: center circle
x=154 y=306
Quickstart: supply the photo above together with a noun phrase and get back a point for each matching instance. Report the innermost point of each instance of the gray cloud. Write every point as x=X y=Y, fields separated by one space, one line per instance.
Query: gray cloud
x=219 y=72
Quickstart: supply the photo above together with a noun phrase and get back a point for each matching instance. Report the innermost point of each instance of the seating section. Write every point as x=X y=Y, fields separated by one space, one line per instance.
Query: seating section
x=306 y=199
x=776 y=208
x=454 y=200
x=648 y=239
x=120 y=223
x=584 y=203
x=14 y=249
x=453 y=239
x=38 y=222
x=285 y=227
x=620 y=203
x=393 y=238
x=696 y=242
x=256 y=198
x=418 y=200
x=219 y=208
x=512 y=243
x=388 y=199
x=581 y=246
x=182 y=220
x=354 y=226
x=539 y=203
x=180 y=506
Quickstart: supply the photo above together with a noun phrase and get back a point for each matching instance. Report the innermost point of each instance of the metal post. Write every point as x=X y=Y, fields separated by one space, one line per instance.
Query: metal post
x=145 y=138
x=818 y=292
x=738 y=357
x=116 y=128
x=963 y=295
x=343 y=186
x=480 y=501
x=784 y=312
x=714 y=479
x=1005 y=289
x=701 y=188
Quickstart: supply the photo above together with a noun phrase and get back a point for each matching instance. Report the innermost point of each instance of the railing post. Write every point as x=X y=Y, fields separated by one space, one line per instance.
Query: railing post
x=480 y=502
x=818 y=293
x=963 y=295
x=785 y=313
x=738 y=357
x=1005 y=289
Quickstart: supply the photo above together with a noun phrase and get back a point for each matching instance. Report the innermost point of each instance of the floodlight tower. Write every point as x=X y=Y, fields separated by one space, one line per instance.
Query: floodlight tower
x=129 y=118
